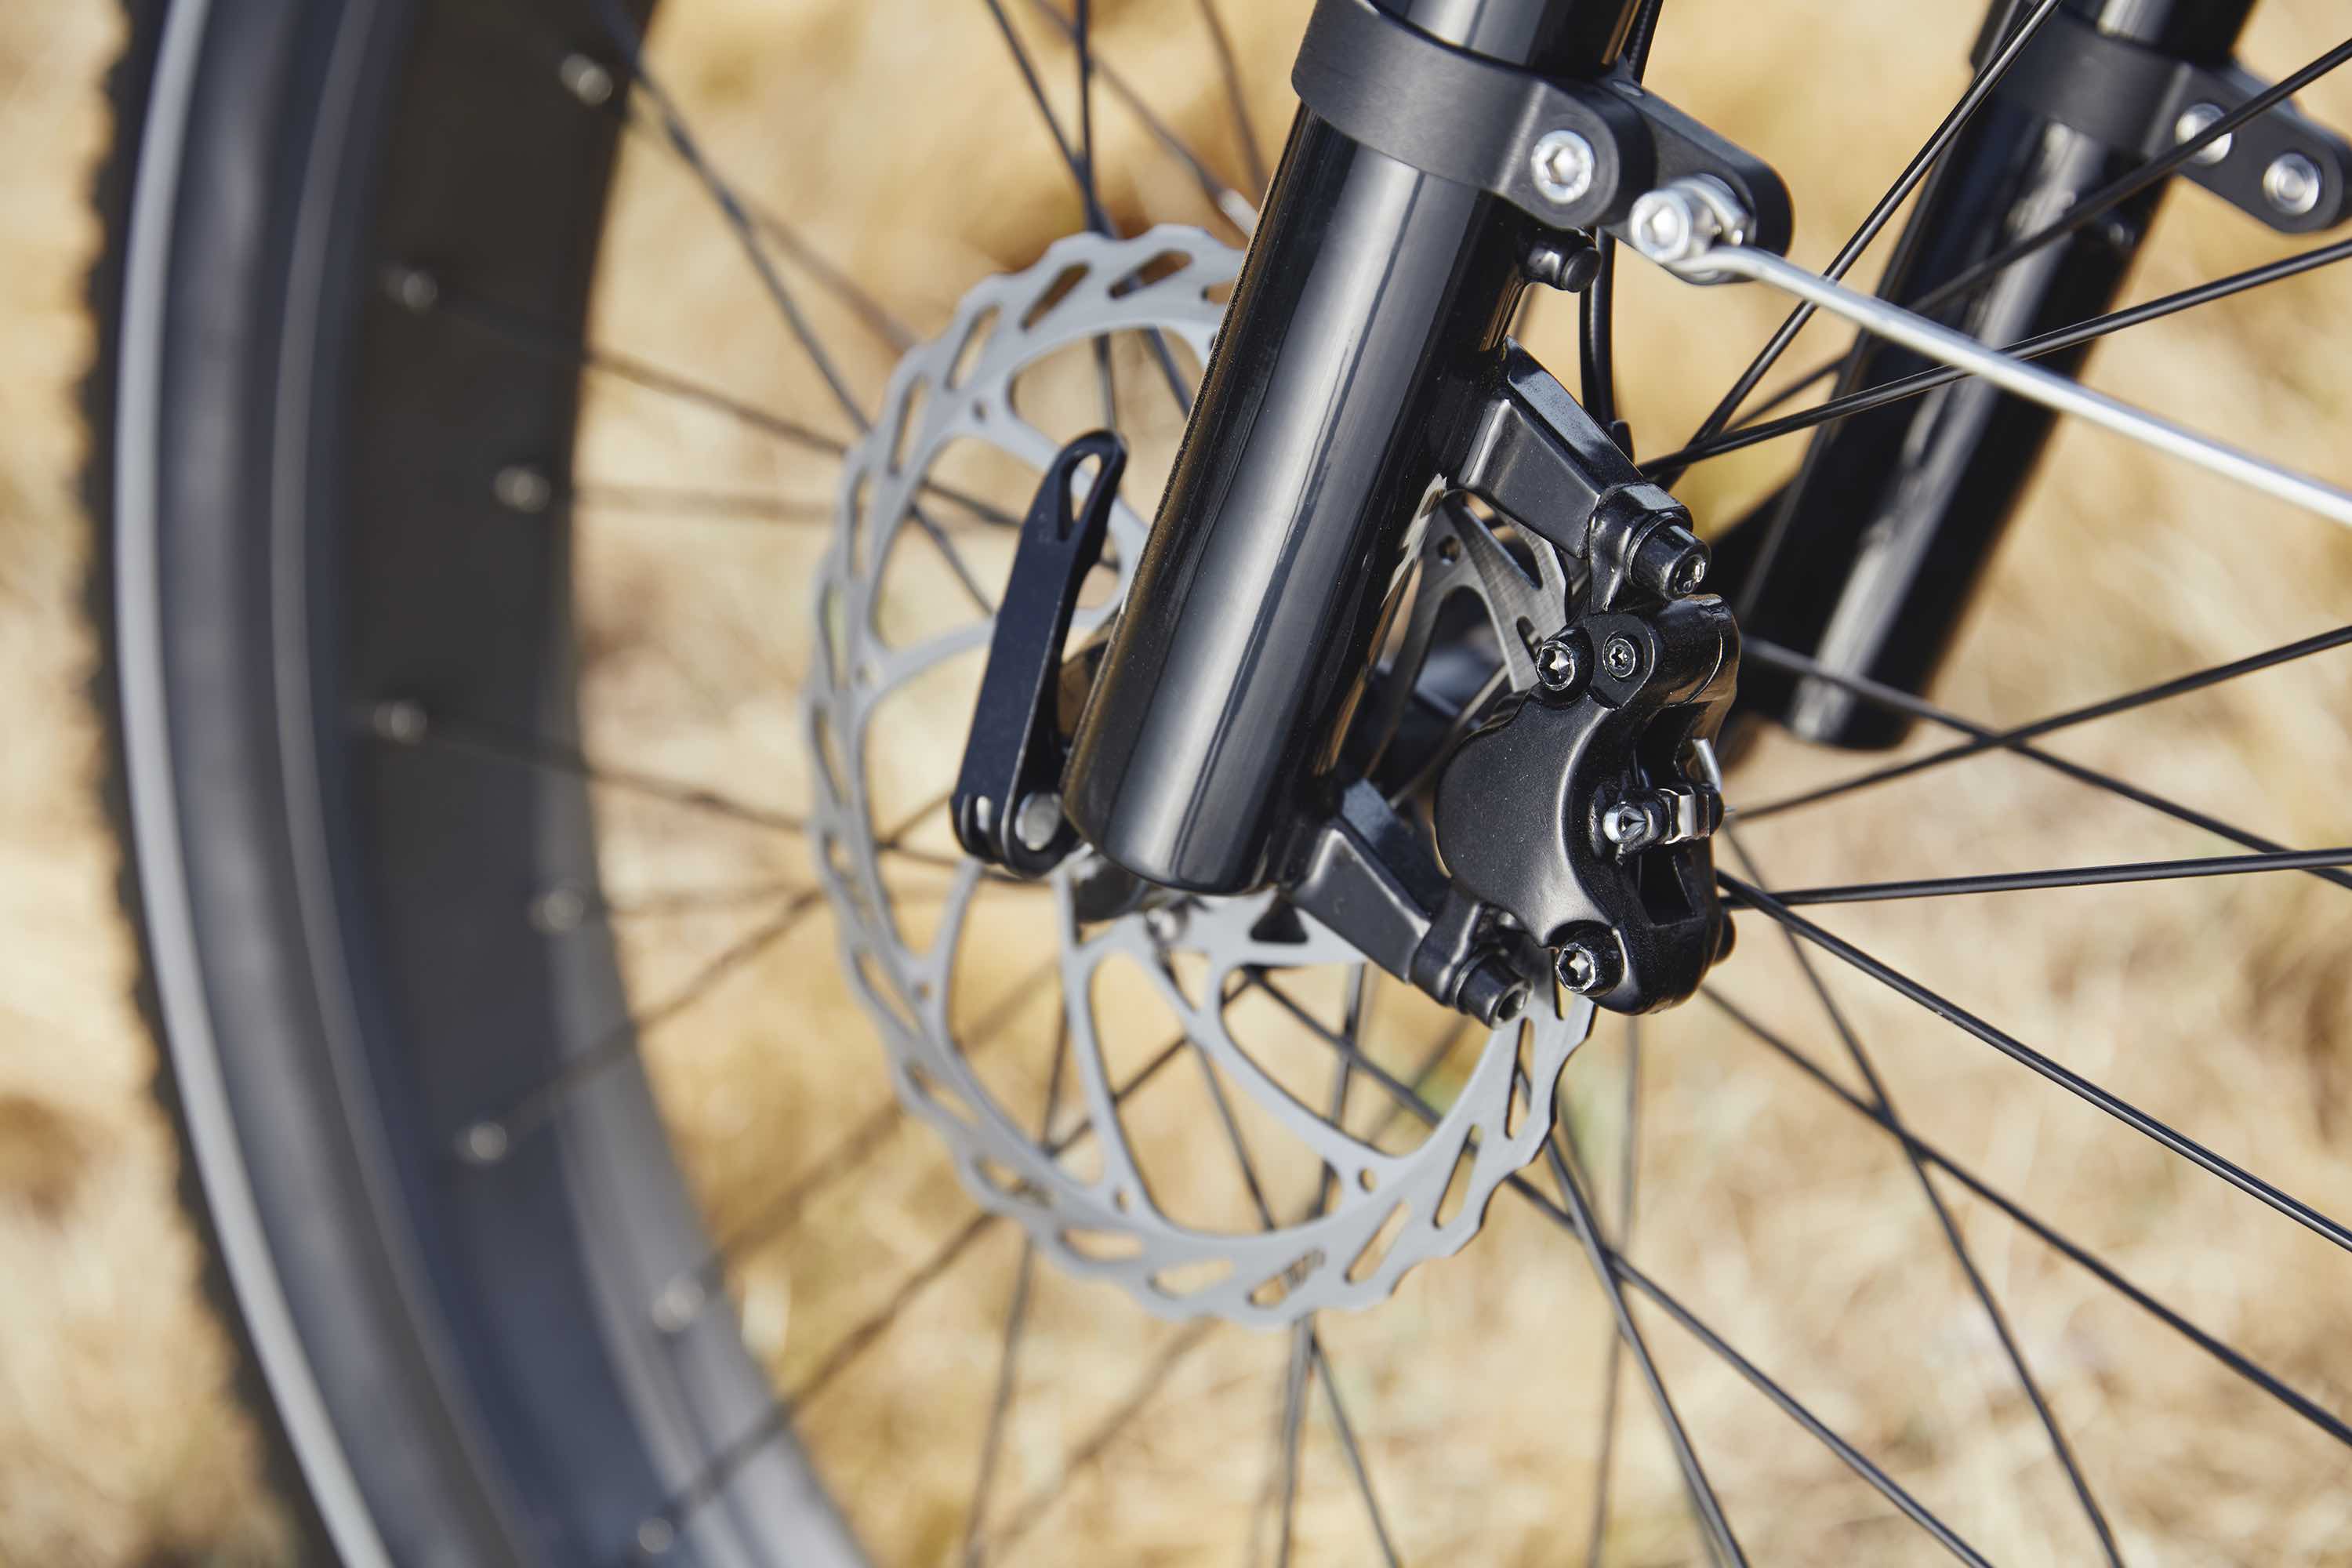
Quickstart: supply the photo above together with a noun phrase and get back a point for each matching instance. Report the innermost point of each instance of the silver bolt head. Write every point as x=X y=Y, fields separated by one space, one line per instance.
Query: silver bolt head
x=1619 y=658
x=1038 y=820
x=1626 y=824
x=586 y=80
x=1558 y=664
x=1664 y=224
x=1563 y=165
x=2293 y=183
x=1579 y=968
x=2192 y=122
x=521 y=488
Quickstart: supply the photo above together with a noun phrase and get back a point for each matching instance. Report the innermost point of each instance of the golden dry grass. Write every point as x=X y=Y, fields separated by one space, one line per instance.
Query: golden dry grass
x=892 y=132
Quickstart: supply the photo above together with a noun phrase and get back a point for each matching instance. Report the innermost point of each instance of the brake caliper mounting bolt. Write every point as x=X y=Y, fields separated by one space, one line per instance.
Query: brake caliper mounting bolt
x=1630 y=825
x=1689 y=574
x=586 y=80
x=1563 y=165
x=2293 y=183
x=1619 y=658
x=2192 y=123
x=1560 y=663
x=1588 y=963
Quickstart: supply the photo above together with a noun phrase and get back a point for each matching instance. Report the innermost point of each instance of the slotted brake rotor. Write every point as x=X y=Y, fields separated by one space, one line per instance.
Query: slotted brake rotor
x=1381 y=1214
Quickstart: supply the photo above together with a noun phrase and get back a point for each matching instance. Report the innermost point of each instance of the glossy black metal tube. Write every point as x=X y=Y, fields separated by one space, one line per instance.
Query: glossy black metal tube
x=1868 y=561
x=1370 y=294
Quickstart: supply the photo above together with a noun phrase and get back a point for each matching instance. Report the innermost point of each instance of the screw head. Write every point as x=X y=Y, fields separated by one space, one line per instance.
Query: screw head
x=2293 y=183
x=1664 y=224
x=400 y=720
x=1560 y=663
x=1629 y=825
x=484 y=1143
x=1688 y=574
x=1038 y=820
x=559 y=909
x=585 y=79
x=2192 y=122
x=1587 y=963
x=1563 y=164
x=1619 y=658
x=520 y=488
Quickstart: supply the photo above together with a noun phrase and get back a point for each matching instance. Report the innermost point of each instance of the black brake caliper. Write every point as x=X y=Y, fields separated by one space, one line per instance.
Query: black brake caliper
x=1584 y=809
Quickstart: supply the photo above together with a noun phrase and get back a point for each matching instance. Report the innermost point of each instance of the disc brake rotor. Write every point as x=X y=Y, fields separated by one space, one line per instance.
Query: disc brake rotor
x=1382 y=1212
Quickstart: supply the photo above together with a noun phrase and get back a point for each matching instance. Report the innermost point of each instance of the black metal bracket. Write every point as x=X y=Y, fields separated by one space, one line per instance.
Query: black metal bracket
x=2138 y=100
x=1007 y=805
x=1446 y=110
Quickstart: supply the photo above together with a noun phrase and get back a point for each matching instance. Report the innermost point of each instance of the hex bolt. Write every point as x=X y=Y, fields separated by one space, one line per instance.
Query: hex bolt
x=1687 y=574
x=1588 y=963
x=2192 y=122
x=1676 y=225
x=1038 y=820
x=1560 y=663
x=2293 y=183
x=1563 y=165
x=1630 y=825
x=585 y=79
x=1619 y=658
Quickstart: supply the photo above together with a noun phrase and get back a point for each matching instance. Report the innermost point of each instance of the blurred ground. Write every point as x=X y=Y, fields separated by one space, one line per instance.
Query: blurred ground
x=2220 y=1006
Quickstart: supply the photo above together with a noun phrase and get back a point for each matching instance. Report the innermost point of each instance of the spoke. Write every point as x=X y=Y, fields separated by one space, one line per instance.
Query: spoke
x=2318 y=1415
x=2027 y=1382
x=1873 y=691
x=1016 y=1323
x=870 y=312
x=1751 y=432
x=405 y=723
x=739 y=219
x=734 y=506
x=1236 y=99
x=2130 y=1115
x=489 y=1140
x=1321 y=1365
x=2029 y=381
x=2069 y=877
x=1716 y=1528
x=422 y=293
x=1627 y=1167
x=1233 y=206
x=1881 y=214
x=1796 y=1411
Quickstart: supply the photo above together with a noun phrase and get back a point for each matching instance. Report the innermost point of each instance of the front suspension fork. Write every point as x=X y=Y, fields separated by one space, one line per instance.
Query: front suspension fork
x=1372 y=300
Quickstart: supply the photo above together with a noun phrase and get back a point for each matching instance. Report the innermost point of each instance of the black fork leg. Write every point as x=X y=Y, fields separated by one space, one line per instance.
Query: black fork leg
x=1868 y=559
x=1371 y=292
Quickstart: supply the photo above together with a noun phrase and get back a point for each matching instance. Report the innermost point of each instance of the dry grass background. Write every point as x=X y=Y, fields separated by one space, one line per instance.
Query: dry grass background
x=892 y=130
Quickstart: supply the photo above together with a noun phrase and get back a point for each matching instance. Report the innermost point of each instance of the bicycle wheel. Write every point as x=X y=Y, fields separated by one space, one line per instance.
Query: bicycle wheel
x=556 y=487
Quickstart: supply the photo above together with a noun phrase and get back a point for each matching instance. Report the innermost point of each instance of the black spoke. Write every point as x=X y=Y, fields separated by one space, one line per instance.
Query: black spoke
x=1716 y=1528
x=1236 y=99
x=488 y=1140
x=1790 y=1406
x=2130 y=1115
x=2236 y=1361
x=1016 y=1325
x=1612 y=1376
x=1751 y=432
x=686 y=501
x=1078 y=158
x=1985 y=739
x=2069 y=877
x=1881 y=214
x=1320 y=1364
x=1954 y=1241
x=1235 y=207
x=747 y=234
